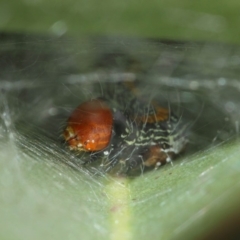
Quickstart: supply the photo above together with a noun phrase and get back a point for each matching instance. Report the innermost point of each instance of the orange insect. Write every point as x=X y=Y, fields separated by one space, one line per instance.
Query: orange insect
x=89 y=128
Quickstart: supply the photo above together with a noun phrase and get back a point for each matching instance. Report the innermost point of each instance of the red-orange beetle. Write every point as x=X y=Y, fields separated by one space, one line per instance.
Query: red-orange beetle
x=89 y=128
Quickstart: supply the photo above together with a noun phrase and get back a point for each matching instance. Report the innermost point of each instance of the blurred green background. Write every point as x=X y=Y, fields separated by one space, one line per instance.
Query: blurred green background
x=173 y=19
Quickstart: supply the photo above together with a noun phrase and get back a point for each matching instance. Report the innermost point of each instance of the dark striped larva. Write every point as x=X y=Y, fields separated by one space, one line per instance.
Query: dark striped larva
x=125 y=137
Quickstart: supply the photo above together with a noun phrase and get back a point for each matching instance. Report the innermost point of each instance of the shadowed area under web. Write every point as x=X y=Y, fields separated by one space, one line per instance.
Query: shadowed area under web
x=43 y=80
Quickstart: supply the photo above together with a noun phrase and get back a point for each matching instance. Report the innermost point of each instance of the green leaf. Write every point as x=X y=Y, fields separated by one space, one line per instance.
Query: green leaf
x=45 y=192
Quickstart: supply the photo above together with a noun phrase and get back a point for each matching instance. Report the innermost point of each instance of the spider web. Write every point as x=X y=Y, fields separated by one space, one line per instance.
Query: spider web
x=45 y=190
